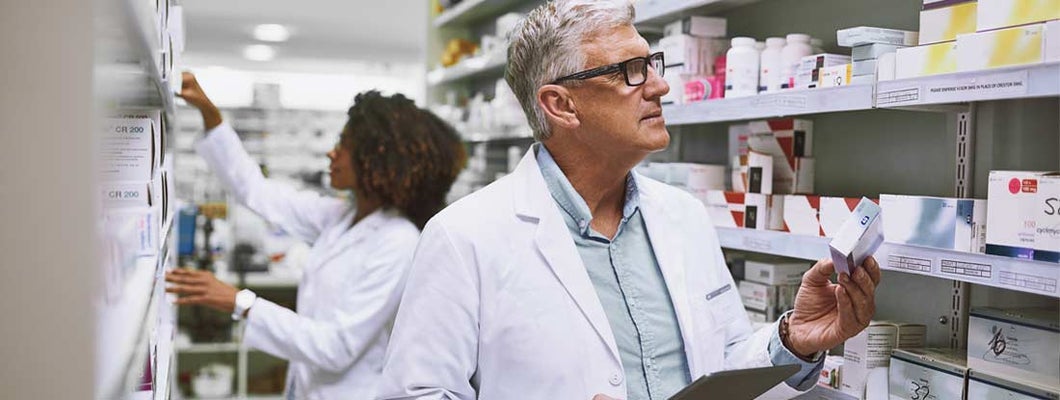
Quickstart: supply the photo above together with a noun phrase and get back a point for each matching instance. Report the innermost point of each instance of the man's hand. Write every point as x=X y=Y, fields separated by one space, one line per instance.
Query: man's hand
x=192 y=93
x=201 y=288
x=827 y=314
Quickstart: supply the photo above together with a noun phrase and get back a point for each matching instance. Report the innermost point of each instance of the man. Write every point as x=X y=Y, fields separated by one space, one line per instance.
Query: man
x=576 y=278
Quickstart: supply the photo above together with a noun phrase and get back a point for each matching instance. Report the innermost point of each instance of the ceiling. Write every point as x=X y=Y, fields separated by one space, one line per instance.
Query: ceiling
x=327 y=30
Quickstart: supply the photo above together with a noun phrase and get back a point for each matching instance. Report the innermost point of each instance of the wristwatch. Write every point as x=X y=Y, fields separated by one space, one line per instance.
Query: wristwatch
x=244 y=300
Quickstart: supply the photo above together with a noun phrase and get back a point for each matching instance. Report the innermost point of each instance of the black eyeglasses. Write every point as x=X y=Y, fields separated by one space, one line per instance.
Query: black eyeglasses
x=635 y=70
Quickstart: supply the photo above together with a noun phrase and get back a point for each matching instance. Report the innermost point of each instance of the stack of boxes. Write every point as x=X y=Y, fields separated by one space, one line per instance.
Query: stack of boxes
x=940 y=23
x=872 y=52
x=769 y=286
x=811 y=68
x=1010 y=32
x=769 y=159
x=693 y=46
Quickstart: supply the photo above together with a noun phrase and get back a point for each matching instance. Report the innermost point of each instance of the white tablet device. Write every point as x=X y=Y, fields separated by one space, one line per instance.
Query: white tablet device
x=737 y=384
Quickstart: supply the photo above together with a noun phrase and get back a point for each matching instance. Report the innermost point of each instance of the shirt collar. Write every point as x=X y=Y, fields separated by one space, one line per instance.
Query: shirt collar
x=569 y=200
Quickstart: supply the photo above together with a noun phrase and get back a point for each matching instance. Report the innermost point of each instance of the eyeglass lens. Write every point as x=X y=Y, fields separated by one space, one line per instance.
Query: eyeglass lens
x=637 y=71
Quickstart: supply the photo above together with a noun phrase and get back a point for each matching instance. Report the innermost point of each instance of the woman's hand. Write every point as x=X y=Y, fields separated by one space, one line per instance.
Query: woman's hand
x=192 y=93
x=201 y=288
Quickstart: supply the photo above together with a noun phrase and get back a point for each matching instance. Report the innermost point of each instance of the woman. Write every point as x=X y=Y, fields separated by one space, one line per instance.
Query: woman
x=399 y=161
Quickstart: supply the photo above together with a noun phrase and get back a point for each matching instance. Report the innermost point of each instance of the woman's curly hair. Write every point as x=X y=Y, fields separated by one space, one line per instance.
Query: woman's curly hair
x=404 y=156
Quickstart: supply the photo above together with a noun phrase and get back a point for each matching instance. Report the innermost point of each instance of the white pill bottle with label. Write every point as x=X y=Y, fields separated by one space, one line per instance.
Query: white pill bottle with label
x=797 y=47
x=769 y=74
x=741 y=68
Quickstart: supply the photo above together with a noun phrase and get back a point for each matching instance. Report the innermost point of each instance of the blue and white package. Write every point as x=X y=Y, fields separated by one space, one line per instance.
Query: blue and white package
x=859 y=237
x=939 y=222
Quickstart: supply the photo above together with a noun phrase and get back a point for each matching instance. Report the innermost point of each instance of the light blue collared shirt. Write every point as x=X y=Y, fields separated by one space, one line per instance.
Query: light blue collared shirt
x=631 y=288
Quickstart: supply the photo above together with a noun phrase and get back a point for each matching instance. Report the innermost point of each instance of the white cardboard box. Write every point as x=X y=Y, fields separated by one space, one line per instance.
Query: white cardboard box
x=943 y=24
x=987 y=386
x=1047 y=220
x=126 y=194
x=710 y=27
x=866 y=351
x=834 y=212
x=858 y=238
x=802 y=215
x=1020 y=45
x=872 y=51
x=932 y=59
x=927 y=374
x=775 y=271
x=995 y=14
x=767 y=298
x=1019 y=343
x=790 y=142
x=726 y=209
x=757 y=210
x=1010 y=218
x=755 y=173
x=863 y=35
x=910 y=335
x=864 y=67
x=835 y=76
x=945 y=223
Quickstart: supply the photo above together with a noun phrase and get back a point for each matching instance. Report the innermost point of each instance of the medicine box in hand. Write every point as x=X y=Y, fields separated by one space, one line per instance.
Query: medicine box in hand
x=858 y=238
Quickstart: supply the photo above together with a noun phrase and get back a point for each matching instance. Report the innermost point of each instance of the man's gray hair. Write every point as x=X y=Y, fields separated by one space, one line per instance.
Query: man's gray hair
x=547 y=45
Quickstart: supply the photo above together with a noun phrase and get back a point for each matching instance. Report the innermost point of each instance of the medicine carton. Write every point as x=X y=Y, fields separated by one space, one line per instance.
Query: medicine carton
x=910 y=335
x=927 y=374
x=1003 y=47
x=945 y=223
x=132 y=146
x=755 y=173
x=756 y=210
x=775 y=271
x=790 y=143
x=1052 y=41
x=866 y=351
x=986 y=386
x=995 y=14
x=1021 y=343
x=726 y=209
x=943 y=24
x=1012 y=199
x=830 y=375
x=802 y=215
x=769 y=299
x=872 y=51
x=834 y=212
x=708 y=27
x=125 y=194
x=834 y=76
x=858 y=238
x=864 y=67
x=1047 y=220
x=932 y=59
x=863 y=35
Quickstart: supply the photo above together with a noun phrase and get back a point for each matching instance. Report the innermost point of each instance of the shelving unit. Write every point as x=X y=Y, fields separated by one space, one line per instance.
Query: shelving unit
x=772 y=105
x=136 y=328
x=1002 y=272
x=472 y=11
x=1023 y=82
x=481 y=67
x=652 y=14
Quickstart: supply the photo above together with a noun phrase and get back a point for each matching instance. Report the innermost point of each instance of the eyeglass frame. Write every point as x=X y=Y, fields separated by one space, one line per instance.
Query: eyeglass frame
x=615 y=68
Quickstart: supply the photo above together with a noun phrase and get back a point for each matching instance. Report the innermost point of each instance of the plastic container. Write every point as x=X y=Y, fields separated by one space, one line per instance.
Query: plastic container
x=741 y=68
x=769 y=69
x=797 y=47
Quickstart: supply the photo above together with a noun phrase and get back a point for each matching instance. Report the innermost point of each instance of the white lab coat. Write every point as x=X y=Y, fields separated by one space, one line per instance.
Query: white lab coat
x=498 y=304
x=350 y=287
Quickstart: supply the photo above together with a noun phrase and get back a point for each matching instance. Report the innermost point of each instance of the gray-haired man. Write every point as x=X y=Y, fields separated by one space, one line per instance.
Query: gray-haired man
x=576 y=278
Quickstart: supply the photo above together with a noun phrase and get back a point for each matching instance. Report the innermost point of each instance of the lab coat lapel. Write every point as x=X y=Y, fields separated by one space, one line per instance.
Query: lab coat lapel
x=349 y=236
x=552 y=238
x=668 y=245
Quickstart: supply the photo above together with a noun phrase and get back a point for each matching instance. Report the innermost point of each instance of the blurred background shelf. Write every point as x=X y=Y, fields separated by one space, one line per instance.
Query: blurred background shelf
x=771 y=105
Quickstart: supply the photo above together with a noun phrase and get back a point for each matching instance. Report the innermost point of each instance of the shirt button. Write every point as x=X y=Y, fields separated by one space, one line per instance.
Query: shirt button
x=582 y=224
x=616 y=379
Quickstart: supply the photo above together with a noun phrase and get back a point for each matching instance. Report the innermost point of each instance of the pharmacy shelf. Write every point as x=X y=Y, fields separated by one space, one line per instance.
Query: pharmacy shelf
x=122 y=327
x=517 y=137
x=1002 y=272
x=656 y=13
x=771 y=105
x=483 y=66
x=1041 y=80
x=824 y=393
x=261 y=280
x=471 y=11
x=204 y=348
x=139 y=84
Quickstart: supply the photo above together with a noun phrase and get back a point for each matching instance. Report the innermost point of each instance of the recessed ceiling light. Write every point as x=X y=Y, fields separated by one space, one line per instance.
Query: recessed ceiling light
x=271 y=33
x=259 y=52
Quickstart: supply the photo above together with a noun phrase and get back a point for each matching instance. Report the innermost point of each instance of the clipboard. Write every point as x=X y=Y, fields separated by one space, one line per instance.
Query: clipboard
x=737 y=384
